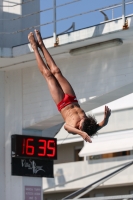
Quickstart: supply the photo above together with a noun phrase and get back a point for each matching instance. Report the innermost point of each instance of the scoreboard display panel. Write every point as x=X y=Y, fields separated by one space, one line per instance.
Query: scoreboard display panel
x=24 y=146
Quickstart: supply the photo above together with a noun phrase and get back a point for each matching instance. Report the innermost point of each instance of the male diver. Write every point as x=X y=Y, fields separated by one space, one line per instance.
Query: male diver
x=76 y=121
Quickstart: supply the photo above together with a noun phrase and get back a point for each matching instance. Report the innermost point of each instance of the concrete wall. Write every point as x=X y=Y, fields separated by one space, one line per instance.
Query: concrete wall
x=37 y=102
x=75 y=175
x=107 y=192
x=97 y=73
x=2 y=135
x=111 y=191
x=68 y=151
x=13 y=125
x=9 y=26
x=11 y=187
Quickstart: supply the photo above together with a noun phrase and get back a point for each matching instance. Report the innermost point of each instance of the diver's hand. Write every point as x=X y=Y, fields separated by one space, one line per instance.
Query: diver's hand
x=104 y=122
x=86 y=137
x=107 y=113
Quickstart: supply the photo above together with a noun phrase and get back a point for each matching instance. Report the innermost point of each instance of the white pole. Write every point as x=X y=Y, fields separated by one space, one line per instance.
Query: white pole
x=123 y=12
x=54 y=16
x=112 y=13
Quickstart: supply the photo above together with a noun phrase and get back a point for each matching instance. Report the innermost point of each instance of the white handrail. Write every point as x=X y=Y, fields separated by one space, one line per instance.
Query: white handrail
x=54 y=15
x=76 y=15
x=123 y=12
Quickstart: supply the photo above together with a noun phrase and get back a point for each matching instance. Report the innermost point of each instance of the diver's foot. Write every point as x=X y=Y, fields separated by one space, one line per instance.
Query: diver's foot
x=32 y=41
x=39 y=39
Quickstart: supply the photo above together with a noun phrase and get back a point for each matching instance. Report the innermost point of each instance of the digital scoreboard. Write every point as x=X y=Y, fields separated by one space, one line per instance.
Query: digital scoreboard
x=34 y=147
x=33 y=155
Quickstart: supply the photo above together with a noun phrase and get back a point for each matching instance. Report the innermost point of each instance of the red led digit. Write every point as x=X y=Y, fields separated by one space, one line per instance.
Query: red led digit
x=51 y=148
x=43 y=147
x=29 y=148
x=23 y=146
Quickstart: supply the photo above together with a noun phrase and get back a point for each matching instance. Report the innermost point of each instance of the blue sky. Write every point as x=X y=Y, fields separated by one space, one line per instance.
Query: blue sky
x=77 y=8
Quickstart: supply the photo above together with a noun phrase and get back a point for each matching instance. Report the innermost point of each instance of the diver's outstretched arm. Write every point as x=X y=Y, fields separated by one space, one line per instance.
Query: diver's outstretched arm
x=104 y=122
x=71 y=129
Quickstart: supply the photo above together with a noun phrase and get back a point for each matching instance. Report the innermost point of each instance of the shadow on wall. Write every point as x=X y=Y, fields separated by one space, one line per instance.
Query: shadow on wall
x=51 y=182
x=60 y=179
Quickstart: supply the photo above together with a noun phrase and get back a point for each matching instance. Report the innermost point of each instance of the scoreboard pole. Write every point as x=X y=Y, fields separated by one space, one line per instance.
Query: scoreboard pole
x=12 y=187
x=2 y=136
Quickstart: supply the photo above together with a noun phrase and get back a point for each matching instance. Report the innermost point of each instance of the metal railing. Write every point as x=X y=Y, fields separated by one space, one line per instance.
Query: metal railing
x=119 y=197
x=94 y=185
x=55 y=21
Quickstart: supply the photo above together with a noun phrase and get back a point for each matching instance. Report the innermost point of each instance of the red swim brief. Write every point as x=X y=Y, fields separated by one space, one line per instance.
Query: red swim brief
x=68 y=99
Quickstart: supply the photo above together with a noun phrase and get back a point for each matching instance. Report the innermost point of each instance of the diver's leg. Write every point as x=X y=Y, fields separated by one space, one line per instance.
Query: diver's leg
x=54 y=87
x=65 y=85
